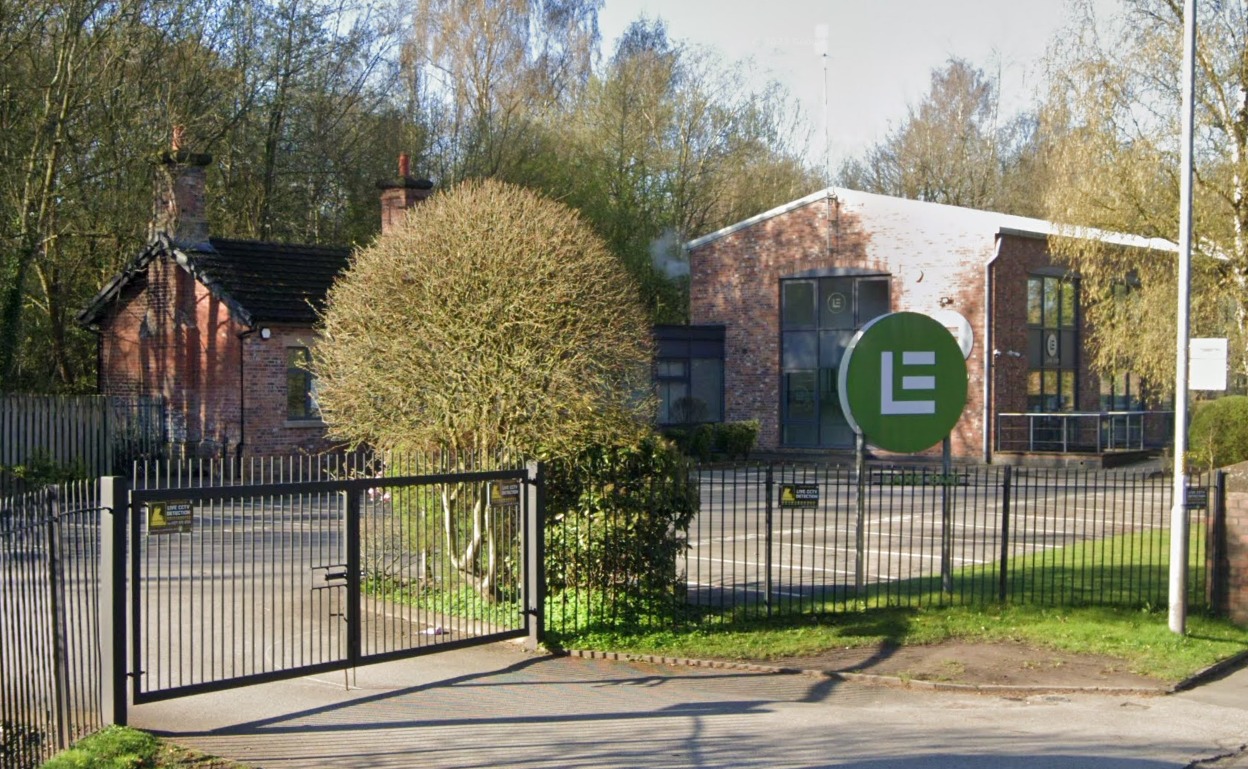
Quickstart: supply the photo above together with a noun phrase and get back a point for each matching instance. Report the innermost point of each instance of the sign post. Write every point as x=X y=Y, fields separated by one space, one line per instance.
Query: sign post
x=902 y=385
x=902 y=382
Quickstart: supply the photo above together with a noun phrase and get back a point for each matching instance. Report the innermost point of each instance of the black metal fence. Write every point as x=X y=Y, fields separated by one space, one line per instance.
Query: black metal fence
x=52 y=438
x=50 y=666
x=250 y=573
x=288 y=567
x=771 y=539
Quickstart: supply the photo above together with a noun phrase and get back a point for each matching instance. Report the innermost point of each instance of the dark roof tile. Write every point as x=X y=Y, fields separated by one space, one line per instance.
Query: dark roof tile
x=260 y=282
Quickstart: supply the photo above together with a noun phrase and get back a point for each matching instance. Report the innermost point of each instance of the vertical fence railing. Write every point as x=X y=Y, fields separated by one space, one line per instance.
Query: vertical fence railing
x=45 y=438
x=773 y=538
x=50 y=685
x=252 y=572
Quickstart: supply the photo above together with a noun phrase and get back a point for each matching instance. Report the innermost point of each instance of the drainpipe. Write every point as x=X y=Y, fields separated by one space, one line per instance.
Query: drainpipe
x=242 y=397
x=989 y=345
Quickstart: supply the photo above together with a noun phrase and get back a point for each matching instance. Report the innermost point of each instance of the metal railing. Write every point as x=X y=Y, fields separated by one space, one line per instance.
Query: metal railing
x=47 y=438
x=775 y=539
x=1096 y=432
x=49 y=622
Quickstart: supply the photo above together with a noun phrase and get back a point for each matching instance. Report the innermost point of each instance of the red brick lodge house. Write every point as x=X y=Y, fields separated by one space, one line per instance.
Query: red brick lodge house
x=222 y=329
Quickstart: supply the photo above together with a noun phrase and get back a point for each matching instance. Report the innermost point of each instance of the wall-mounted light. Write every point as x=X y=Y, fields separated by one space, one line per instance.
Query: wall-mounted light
x=265 y=333
x=1010 y=353
x=945 y=301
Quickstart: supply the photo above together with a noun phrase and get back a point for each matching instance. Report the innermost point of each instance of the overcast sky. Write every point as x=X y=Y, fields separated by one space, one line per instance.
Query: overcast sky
x=880 y=52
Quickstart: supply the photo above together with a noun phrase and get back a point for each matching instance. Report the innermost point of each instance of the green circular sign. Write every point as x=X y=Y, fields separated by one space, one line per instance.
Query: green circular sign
x=902 y=382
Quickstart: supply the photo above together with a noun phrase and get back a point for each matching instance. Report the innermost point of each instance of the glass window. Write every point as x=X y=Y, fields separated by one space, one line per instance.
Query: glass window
x=1035 y=312
x=799 y=303
x=818 y=320
x=706 y=381
x=1052 y=343
x=872 y=300
x=675 y=405
x=799 y=395
x=671 y=369
x=1067 y=319
x=300 y=385
x=800 y=351
x=836 y=308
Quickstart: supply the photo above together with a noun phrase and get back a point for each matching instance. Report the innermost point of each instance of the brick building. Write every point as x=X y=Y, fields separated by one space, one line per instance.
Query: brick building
x=222 y=329
x=790 y=286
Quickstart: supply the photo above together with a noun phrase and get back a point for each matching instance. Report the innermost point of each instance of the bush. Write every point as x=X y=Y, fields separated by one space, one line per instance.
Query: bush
x=736 y=439
x=617 y=520
x=1218 y=433
x=731 y=440
x=701 y=442
x=114 y=747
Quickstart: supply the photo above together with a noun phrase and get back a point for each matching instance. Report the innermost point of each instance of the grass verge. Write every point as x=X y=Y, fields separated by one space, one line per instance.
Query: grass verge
x=1141 y=639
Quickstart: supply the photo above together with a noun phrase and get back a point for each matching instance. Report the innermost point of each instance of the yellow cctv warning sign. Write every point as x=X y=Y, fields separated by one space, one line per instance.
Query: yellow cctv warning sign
x=799 y=495
x=172 y=517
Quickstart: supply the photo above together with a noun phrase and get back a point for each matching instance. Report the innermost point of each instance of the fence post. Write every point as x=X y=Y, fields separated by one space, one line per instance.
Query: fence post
x=767 y=538
x=354 y=631
x=946 y=520
x=1003 y=577
x=535 y=552
x=56 y=589
x=860 y=541
x=114 y=512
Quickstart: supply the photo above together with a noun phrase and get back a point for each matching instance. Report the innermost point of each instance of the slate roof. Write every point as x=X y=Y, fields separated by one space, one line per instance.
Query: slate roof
x=260 y=282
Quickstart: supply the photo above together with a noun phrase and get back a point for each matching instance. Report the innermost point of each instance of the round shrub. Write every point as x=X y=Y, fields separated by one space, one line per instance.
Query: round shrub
x=493 y=320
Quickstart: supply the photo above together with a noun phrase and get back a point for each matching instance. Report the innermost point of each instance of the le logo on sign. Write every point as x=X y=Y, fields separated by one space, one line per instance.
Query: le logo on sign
x=902 y=382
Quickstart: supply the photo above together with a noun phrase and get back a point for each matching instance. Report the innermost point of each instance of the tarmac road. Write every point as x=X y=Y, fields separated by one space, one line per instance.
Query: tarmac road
x=499 y=706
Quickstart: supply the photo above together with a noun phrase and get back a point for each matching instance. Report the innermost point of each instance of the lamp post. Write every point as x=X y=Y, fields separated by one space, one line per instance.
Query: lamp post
x=1178 y=512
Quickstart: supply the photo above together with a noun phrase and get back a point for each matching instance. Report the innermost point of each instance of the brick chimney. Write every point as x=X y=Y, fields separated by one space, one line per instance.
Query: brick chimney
x=179 y=199
x=398 y=195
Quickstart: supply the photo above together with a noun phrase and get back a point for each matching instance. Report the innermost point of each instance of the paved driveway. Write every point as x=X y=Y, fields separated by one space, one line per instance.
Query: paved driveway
x=500 y=707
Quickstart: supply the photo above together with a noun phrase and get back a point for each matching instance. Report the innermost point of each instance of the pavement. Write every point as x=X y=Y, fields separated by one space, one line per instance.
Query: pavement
x=500 y=706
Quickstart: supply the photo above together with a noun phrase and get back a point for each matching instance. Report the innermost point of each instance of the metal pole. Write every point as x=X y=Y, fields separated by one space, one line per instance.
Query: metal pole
x=51 y=505
x=1178 y=512
x=114 y=511
x=946 y=525
x=1003 y=576
x=767 y=539
x=535 y=552
x=354 y=608
x=860 y=461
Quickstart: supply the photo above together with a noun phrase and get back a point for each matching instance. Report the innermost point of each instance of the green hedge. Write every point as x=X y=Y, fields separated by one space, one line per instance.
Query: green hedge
x=1218 y=433
x=726 y=440
x=616 y=523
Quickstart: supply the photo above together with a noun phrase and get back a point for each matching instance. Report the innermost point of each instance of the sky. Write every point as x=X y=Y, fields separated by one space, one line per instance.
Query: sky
x=880 y=52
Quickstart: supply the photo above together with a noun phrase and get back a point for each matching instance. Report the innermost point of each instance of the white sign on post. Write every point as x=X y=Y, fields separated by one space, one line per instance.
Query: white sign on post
x=1206 y=364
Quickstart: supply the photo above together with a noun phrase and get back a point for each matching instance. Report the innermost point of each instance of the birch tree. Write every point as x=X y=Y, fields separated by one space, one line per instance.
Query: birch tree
x=1113 y=115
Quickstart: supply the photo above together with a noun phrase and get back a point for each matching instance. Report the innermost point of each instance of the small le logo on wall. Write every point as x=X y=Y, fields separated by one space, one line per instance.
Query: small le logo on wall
x=902 y=382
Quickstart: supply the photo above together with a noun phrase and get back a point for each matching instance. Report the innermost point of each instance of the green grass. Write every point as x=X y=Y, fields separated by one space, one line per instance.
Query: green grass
x=1093 y=597
x=1140 y=638
x=120 y=747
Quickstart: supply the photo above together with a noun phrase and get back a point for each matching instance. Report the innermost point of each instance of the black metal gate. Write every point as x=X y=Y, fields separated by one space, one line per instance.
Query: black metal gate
x=240 y=584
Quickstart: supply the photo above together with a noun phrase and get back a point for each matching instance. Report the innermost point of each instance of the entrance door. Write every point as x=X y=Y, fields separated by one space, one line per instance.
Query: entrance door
x=818 y=319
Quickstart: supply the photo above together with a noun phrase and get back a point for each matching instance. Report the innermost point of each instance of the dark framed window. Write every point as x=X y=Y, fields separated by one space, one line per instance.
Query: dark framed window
x=1121 y=392
x=818 y=318
x=1052 y=343
x=300 y=385
x=689 y=374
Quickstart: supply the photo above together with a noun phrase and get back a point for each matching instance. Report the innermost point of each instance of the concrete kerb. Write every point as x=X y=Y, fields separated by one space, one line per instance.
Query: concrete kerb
x=1213 y=672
